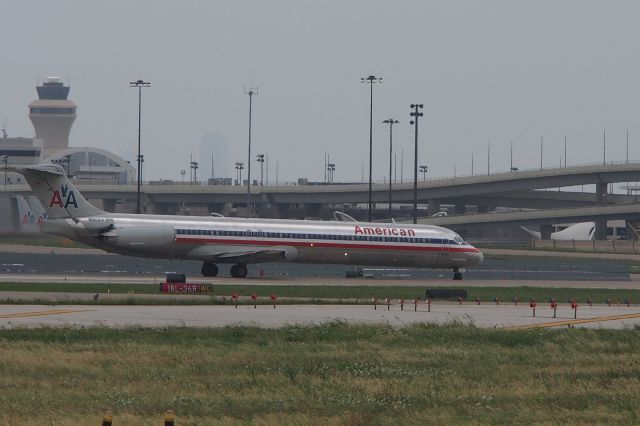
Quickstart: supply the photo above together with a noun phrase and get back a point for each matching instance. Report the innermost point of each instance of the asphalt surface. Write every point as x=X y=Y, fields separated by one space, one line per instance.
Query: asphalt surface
x=75 y=262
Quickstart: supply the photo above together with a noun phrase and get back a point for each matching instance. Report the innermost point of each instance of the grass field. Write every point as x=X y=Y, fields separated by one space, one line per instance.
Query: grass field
x=330 y=374
x=363 y=292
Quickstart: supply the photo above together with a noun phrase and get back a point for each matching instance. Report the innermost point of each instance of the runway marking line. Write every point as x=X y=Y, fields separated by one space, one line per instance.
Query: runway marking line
x=43 y=313
x=574 y=321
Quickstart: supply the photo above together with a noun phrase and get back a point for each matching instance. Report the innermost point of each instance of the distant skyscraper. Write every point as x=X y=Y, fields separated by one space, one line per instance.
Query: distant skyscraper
x=213 y=143
x=52 y=115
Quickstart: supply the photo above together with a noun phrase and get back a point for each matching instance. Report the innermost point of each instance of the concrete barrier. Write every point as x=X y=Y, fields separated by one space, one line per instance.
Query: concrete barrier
x=593 y=246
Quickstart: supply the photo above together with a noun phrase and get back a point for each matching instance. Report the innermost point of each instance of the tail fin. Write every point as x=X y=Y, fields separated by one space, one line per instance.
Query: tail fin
x=38 y=212
x=58 y=196
x=535 y=234
x=26 y=218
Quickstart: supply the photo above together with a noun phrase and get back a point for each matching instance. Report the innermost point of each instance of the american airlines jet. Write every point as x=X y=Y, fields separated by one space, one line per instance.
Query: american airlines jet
x=216 y=240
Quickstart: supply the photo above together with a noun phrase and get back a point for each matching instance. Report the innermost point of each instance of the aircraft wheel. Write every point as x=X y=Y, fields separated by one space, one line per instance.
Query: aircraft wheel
x=209 y=269
x=239 y=271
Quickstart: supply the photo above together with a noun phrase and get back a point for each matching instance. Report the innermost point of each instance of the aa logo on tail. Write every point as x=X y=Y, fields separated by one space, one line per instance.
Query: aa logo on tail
x=66 y=195
x=28 y=219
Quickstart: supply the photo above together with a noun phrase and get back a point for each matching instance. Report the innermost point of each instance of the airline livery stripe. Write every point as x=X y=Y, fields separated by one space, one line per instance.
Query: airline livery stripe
x=326 y=245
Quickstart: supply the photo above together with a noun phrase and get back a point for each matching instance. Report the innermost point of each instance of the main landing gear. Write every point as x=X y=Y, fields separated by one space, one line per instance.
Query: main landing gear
x=211 y=270
x=239 y=270
x=457 y=274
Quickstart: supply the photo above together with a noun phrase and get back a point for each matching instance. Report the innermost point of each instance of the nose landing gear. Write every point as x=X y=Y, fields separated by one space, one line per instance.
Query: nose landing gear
x=457 y=274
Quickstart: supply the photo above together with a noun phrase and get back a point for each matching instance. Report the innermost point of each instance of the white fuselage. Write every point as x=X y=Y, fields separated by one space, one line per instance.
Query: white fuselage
x=213 y=239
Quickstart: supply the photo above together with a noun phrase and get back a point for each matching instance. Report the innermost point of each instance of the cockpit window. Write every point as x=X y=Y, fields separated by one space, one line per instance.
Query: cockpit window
x=458 y=239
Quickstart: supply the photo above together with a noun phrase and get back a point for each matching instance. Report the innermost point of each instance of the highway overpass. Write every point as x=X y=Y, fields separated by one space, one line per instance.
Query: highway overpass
x=521 y=189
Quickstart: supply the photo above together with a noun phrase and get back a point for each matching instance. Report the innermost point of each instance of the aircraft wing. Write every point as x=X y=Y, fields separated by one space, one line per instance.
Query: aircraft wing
x=222 y=254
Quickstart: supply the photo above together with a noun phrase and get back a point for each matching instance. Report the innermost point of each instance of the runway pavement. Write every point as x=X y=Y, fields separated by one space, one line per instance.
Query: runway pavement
x=485 y=316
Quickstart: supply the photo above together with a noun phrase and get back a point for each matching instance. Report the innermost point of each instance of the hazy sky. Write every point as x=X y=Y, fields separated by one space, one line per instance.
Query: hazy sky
x=494 y=71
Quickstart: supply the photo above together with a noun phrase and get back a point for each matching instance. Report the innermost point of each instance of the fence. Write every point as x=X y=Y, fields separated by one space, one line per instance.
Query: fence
x=610 y=246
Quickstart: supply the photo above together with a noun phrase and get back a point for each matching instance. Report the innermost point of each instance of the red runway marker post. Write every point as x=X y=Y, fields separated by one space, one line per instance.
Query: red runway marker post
x=532 y=305
x=388 y=302
x=554 y=306
x=459 y=300
x=429 y=305
x=497 y=300
x=234 y=296
x=254 y=297
x=402 y=304
x=273 y=299
x=574 y=306
x=477 y=301
x=515 y=300
x=415 y=304
x=589 y=301
x=107 y=419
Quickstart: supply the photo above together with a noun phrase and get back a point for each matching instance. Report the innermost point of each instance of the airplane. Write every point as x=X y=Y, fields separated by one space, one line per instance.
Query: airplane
x=577 y=231
x=236 y=241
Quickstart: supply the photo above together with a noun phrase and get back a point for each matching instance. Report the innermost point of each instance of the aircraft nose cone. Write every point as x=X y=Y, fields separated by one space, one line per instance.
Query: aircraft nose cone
x=476 y=258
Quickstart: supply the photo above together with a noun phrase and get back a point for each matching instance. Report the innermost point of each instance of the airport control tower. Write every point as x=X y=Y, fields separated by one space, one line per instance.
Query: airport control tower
x=52 y=115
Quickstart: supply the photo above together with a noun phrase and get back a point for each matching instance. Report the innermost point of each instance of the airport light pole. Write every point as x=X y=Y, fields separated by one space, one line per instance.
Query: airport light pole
x=416 y=114
x=390 y=122
x=331 y=167
x=141 y=166
x=424 y=169
x=604 y=147
x=66 y=160
x=260 y=159
x=371 y=80
x=5 y=160
x=194 y=167
x=239 y=167
x=252 y=91
x=183 y=172
x=139 y=84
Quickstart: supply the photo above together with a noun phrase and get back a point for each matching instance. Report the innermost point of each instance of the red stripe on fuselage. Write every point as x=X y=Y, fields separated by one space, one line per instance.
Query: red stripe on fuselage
x=324 y=245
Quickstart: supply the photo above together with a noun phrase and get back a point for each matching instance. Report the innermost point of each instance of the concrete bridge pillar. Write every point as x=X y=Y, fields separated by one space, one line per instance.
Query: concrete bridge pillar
x=601 y=193
x=434 y=206
x=633 y=229
x=545 y=232
x=312 y=209
x=282 y=210
x=600 y=233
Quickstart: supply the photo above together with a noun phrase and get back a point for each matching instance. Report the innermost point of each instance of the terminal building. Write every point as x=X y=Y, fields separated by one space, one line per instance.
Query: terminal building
x=52 y=116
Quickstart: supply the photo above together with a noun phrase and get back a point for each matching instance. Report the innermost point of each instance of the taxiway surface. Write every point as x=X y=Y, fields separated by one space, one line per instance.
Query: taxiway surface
x=485 y=316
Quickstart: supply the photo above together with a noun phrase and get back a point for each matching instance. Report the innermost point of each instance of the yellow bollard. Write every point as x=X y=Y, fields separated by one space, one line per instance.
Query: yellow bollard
x=169 y=418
